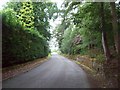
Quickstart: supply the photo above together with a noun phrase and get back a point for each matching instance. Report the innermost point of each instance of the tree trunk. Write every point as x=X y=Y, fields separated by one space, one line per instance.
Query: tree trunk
x=115 y=27
x=104 y=36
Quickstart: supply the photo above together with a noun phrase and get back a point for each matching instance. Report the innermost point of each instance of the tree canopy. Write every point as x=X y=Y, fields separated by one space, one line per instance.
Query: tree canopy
x=91 y=25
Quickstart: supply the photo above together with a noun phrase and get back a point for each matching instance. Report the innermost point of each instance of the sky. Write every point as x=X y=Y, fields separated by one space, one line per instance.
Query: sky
x=2 y=2
x=53 y=43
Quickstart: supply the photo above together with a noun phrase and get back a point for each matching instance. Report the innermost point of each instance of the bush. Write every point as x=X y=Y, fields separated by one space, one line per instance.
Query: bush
x=100 y=58
x=18 y=44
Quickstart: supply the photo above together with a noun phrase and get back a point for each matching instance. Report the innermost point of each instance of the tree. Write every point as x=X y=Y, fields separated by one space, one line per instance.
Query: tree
x=115 y=27
x=104 y=35
x=92 y=25
x=43 y=12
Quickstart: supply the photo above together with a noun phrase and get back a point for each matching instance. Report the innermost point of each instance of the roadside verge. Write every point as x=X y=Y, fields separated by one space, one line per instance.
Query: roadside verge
x=96 y=79
x=12 y=71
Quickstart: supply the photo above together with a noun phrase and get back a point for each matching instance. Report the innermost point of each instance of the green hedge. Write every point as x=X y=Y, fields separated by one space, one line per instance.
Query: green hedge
x=18 y=44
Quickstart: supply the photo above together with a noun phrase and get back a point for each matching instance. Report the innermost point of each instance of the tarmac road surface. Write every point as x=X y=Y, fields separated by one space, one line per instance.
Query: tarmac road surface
x=57 y=72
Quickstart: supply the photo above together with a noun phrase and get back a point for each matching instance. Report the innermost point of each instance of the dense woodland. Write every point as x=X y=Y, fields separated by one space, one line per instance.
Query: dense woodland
x=90 y=29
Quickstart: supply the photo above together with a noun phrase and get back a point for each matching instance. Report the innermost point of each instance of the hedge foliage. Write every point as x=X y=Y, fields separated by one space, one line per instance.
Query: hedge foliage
x=19 y=42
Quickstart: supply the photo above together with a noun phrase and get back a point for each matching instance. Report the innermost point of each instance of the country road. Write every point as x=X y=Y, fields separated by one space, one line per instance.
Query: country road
x=58 y=72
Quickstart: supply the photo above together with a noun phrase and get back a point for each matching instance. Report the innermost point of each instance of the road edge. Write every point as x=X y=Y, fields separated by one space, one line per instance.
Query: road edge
x=22 y=68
